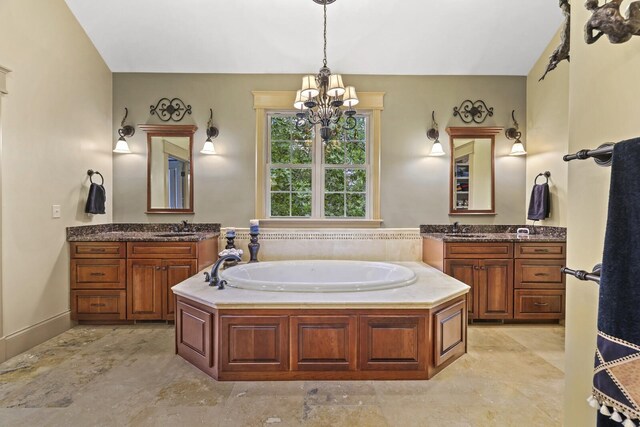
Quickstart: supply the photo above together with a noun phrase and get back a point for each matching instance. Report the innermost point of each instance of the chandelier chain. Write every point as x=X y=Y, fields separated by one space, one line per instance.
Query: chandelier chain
x=324 y=62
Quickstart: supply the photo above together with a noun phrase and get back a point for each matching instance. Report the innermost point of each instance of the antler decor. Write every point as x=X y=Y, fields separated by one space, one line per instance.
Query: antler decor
x=607 y=20
x=562 y=51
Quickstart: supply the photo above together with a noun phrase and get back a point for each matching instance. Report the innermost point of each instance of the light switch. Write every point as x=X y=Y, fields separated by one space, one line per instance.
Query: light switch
x=55 y=211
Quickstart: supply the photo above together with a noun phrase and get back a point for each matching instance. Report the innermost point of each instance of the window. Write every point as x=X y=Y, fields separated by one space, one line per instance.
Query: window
x=307 y=178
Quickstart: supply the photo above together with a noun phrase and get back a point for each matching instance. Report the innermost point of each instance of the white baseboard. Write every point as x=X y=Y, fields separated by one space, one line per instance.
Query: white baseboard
x=22 y=340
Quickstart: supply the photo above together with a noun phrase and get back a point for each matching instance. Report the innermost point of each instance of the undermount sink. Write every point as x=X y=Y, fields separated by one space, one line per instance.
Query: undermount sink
x=463 y=235
x=176 y=234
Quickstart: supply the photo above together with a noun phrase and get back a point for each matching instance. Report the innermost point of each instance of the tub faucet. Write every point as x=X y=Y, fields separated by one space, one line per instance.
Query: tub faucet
x=213 y=278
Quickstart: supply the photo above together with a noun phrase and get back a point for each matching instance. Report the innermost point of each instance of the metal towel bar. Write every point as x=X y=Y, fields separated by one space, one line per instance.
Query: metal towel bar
x=601 y=155
x=593 y=276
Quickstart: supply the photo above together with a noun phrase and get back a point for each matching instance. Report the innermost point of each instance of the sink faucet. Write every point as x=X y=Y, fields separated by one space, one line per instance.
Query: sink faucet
x=183 y=226
x=213 y=278
x=455 y=228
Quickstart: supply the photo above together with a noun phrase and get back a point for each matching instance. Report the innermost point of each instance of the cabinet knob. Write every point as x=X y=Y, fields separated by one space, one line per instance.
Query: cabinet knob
x=158 y=268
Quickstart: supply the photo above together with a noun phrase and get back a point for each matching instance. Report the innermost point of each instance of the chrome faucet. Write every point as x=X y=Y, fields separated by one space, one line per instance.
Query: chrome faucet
x=213 y=278
x=455 y=227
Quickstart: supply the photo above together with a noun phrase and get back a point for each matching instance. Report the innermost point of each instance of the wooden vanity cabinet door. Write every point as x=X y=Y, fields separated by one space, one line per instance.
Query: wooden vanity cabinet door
x=144 y=289
x=466 y=271
x=175 y=271
x=495 y=289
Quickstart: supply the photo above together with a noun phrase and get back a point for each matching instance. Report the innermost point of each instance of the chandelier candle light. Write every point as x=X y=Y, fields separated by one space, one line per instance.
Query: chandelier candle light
x=322 y=96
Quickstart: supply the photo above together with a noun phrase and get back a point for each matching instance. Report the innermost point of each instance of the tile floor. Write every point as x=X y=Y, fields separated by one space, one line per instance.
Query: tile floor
x=129 y=375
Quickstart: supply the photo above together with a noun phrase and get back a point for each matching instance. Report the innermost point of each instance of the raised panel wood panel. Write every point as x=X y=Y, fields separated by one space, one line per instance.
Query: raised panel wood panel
x=450 y=335
x=539 y=304
x=465 y=270
x=323 y=343
x=254 y=343
x=161 y=250
x=97 y=249
x=176 y=271
x=98 y=305
x=98 y=273
x=393 y=343
x=194 y=335
x=479 y=250
x=540 y=250
x=539 y=273
x=144 y=289
x=495 y=289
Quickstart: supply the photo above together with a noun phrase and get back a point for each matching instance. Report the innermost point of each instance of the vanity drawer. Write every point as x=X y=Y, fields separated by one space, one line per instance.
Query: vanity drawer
x=540 y=250
x=478 y=250
x=98 y=249
x=161 y=250
x=539 y=304
x=98 y=305
x=539 y=273
x=98 y=274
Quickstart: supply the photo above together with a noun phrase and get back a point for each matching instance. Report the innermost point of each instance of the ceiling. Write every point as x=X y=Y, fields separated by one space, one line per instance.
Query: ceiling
x=410 y=37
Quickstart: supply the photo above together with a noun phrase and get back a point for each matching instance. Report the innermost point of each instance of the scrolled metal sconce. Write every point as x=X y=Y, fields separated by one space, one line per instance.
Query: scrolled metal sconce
x=512 y=133
x=212 y=133
x=433 y=134
x=125 y=131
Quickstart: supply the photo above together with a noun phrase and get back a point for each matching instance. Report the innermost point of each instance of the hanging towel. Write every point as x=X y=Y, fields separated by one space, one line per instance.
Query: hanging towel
x=616 y=381
x=539 y=204
x=96 y=199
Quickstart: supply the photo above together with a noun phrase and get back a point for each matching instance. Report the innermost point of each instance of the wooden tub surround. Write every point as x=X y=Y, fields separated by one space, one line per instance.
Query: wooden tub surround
x=406 y=333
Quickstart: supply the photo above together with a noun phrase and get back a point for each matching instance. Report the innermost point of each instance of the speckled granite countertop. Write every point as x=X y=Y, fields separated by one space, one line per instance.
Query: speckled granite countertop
x=142 y=233
x=493 y=233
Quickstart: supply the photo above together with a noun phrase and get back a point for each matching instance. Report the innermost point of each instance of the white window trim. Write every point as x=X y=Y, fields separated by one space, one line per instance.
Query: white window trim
x=318 y=168
x=264 y=101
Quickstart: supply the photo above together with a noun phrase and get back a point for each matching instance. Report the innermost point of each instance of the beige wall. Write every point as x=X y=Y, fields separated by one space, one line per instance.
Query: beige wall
x=56 y=124
x=603 y=100
x=414 y=186
x=548 y=132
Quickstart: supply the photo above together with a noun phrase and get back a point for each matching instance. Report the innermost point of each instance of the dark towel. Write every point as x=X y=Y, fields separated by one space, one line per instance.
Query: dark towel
x=96 y=199
x=616 y=381
x=539 y=204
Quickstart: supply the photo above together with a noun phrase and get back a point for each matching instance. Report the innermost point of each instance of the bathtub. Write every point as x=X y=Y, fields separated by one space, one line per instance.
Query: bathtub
x=318 y=276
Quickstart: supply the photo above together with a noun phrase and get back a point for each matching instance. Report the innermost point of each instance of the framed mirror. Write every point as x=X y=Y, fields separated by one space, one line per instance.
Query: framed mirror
x=169 y=168
x=472 y=173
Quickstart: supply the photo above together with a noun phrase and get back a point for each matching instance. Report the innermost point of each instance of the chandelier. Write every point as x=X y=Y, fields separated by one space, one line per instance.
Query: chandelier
x=323 y=96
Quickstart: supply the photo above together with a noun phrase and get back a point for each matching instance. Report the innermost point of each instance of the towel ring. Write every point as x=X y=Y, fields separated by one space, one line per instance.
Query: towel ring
x=91 y=172
x=547 y=174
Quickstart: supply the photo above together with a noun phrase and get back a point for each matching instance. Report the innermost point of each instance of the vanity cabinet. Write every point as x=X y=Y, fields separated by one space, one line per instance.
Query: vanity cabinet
x=539 y=284
x=98 y=281
x=488 y=269
x=113 y=282
x=520 y=281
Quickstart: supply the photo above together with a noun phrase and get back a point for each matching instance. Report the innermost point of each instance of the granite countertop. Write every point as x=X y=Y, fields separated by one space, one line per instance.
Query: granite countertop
x=142 y=233
x=493 y=237
x=431 y=289
x=493 y=233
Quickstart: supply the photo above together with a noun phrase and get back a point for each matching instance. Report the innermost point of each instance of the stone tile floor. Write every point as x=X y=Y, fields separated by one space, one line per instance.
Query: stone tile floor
x=129 y=375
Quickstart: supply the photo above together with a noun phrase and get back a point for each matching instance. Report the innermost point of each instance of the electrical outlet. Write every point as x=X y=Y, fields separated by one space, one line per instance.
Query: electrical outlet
x=55 y=211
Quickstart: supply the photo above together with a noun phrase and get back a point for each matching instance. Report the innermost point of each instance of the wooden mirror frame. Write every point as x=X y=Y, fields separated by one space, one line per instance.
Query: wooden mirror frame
x=169 y=130
x=473 y=132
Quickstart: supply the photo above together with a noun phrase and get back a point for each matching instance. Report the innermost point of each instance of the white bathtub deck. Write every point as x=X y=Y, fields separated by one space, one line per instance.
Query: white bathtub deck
x=431 y=289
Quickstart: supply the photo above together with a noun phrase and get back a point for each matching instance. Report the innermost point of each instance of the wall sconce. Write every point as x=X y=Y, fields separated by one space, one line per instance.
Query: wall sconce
x=125 y=131
x=517 y=149
x=433 y=134
x=212 y=133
